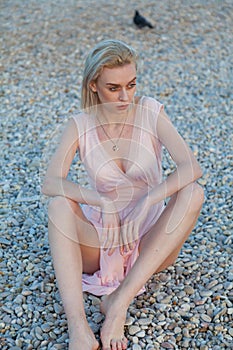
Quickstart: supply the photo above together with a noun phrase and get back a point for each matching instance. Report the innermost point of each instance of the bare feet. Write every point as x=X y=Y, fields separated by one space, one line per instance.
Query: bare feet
x=112 y=332
x=82 y=336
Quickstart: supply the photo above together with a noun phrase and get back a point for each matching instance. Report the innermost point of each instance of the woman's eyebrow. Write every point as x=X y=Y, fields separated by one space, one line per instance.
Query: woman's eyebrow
x=117 y=85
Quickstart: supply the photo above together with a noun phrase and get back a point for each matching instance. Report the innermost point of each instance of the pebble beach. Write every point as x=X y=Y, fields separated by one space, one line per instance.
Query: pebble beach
x=186 y=63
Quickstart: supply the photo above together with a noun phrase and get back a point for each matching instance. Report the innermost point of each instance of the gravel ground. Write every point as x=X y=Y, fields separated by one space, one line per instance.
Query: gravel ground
x=186 y=63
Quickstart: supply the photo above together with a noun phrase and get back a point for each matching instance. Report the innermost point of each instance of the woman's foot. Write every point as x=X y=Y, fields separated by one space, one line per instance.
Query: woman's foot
x=112 y=332
x=82 y=337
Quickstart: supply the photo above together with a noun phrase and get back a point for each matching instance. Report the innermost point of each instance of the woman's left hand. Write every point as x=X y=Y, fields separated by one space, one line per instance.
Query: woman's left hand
x=111 y=226
x=131 y=224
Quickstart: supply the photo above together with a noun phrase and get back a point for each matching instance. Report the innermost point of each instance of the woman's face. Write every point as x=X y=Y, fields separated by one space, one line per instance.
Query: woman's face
x=116 y=87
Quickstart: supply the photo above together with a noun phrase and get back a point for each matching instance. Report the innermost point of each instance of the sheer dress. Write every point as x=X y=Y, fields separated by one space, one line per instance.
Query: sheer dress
x=144 y=171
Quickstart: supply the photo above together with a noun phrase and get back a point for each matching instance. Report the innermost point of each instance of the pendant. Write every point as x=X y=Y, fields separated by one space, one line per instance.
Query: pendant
x=115 y=148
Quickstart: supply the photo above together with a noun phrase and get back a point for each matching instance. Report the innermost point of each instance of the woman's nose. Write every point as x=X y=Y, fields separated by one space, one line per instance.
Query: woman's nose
x=123 y=96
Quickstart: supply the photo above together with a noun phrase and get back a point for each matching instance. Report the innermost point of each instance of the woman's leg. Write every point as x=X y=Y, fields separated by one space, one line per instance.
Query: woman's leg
x=158 y=249
x=68 y=229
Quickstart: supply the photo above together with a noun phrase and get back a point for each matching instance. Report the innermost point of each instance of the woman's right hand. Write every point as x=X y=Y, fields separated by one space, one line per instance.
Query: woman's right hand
x=111 y=226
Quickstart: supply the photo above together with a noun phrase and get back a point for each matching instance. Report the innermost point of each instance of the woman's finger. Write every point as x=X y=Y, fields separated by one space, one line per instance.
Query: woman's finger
x=125 y=230
x=104 y=237
x=121 y=241
x=123 y=237
x=135 y=234
x=130 y=235
x=108 y=239
x=115 y=240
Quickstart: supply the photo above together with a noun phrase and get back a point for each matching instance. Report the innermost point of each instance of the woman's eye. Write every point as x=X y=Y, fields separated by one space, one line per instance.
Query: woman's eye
x=113 y=89
x=132 y=85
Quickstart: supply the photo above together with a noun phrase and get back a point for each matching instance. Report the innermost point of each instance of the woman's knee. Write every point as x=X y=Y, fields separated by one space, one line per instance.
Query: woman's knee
x=60 y=204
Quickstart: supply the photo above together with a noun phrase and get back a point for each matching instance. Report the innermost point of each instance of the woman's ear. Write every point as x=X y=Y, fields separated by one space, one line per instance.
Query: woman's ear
x=93 y=86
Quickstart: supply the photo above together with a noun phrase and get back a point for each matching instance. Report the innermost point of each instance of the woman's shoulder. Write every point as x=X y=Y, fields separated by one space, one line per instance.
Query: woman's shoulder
x=80 y=116
x=83 y=122
x=149 y=101
x=150 y=104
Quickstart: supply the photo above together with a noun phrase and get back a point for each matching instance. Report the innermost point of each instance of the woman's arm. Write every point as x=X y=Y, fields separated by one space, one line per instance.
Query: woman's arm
x=55 y=182
x=187 y=170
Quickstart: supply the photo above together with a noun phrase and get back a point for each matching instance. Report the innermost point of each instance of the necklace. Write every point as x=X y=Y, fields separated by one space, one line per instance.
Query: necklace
x=115 y=146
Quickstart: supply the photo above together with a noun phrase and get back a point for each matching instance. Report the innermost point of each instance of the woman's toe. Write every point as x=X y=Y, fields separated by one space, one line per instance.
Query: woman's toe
x=114 y=345
x=124 y=343
x=119 y=345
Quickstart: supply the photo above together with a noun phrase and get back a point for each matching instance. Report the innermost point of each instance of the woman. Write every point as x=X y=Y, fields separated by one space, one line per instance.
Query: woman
x=109 y=239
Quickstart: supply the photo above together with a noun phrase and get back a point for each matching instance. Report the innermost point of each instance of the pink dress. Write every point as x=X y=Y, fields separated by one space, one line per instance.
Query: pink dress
x=143 y=173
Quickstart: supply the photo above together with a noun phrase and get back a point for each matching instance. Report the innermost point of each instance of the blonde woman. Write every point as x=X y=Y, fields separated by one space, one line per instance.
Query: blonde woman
x=110 y=238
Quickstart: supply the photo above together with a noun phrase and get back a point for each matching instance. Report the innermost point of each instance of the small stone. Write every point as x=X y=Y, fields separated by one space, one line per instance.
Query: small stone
x=217 y=287
x=166 y=300
x=136 y=347
x=26 y=293
x=134 y=329
x=228 y=285
x=167 y=345
x=189 y=290
x=94 y=300
x=163 y=277
x=141 y=334
x=38 y=333
x=94 y=309
x=151 y=347
x=97 y=317
x=218 y=328
x=144 y=321
x=204 y=347
x=177 y=330
x=160 y=338
x=94 y=326
x=7 y=310
x=206 y=293
x=19 y=343
x=5 y=241
x=161 y=317
x=19 y=311
x=129 y=321
x=45 y=327
x=200 y=301
x=185 y=343
x=58 y=308
x=179 y=270
x=161 y=307
x=206 y=318
x=185 y=307
x=211 y=284
x=19 y=299
x=220 y=313
x=185 y=332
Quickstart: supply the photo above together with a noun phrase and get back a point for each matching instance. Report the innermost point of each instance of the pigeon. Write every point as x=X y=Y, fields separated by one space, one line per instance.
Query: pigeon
x=141 y=21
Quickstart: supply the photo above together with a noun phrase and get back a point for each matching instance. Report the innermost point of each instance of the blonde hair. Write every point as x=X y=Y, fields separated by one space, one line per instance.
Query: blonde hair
x=107 y=53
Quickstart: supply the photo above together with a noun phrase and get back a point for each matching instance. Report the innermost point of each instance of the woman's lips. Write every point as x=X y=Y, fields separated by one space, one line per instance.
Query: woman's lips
x=123 y=106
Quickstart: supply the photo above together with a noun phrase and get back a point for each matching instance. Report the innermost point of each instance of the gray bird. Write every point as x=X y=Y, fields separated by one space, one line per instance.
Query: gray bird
x=141 y=21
